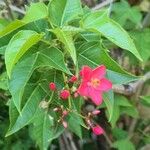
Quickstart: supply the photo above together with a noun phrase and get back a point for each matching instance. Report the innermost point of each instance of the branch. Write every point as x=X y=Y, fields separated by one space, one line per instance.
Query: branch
x=14 y=8
x=66 y=141
x=103 y=4
x=131 y=88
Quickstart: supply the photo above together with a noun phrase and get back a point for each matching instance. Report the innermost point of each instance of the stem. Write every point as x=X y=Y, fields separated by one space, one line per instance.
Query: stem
x=107 y=139
x=66 y=85
x=51 y=97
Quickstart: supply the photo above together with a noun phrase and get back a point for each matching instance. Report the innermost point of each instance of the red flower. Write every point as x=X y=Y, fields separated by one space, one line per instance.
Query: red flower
x=73 y=79
x=97 y=130
x=64 y=94
x=94 y=83
x=52 y=86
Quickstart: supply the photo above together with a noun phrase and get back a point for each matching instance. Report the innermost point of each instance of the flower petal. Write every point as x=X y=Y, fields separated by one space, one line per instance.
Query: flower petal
x=86 y=73
x=83 y=89
x=105 y=85
x=99 y=72
x=97 y=130
x=96 y=96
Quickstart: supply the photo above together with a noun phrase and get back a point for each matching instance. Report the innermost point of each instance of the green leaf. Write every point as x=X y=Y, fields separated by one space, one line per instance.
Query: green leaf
x=142 y=42
x=18 y=45
x=131 y=111
x=145 y=100
x=119 y=134
x=111 y=30
x=122 y=12
x=109 y=101
x=115 y=115
x=35 y=12
x=3 y=23
x=93 y=54
x=74 y=124
x=61 y=12
x=122 y=101
x=42 y=129
x=67 y=39
x=3 y=81
x=124 y=144
x=11 y=27
x=28 y=111
x=50 y=57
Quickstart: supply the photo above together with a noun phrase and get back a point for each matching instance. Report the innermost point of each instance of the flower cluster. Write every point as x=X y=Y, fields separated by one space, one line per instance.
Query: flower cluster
x=91 y=85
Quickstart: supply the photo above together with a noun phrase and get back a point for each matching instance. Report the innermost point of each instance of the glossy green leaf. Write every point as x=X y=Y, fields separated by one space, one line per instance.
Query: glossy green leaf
x=142 y=42
x=4 y=81
x=42 y=129
x=122 y=12
x=131 y=111
x=93 y=54
x=28 y=110
x=50 y=57
x=145 y=100
x=119 y=133
x=109 y=102
x=35 y=12
x=17 y=47
x=61 y=12
x=122 y=101
x=111 y=30
x=124 y=144
x=67 y=39
x=74 y=124
x=11 y=27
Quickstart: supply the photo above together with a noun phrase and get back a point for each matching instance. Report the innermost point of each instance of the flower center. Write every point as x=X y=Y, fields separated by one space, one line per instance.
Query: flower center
x=94 y=82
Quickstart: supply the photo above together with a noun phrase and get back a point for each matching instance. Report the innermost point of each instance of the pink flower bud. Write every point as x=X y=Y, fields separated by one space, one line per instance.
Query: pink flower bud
x=73 y=79
x=76 y=94
x=95 y=112
x=56 y=109
x=64 y=94
x=65 y=124
x=97 y=130
x=52 y=86
x=65 y=112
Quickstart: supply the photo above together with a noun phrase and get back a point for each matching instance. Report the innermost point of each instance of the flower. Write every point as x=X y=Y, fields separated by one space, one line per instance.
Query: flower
x=64 y=94
x=64 y=123
x=94 y=83
x=52 y=86
x=65 y=112
x=97 y=130
x=73 y=79
x=95 y=112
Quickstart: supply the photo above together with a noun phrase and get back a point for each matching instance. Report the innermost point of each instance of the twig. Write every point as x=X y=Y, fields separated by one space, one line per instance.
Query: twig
x=131 y=88
x=9 y=10
x=103 y=4
x=14 y=8
x=146 y=20
x=107 y=139
x=66 y=141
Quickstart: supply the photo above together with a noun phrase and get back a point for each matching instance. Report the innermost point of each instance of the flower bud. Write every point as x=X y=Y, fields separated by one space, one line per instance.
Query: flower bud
x=64 y=94
x=76 y=94
x=73 y=79
x=52 y=86
x=56 y=109
x=64 y=123
x=97 y=130
x=65 y=112
x=95 y=112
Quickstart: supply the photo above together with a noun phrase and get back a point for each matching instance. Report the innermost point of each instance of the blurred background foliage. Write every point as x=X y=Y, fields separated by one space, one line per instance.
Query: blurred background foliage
x=131 y=120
